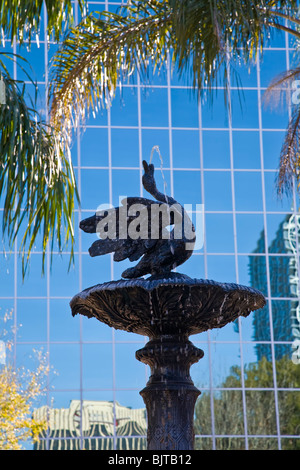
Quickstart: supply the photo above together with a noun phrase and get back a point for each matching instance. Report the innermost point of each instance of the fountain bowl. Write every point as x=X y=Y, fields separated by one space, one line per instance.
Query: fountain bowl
x=167 y=305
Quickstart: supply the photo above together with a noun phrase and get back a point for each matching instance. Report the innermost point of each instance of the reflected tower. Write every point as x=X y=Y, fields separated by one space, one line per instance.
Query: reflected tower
x=284 y=284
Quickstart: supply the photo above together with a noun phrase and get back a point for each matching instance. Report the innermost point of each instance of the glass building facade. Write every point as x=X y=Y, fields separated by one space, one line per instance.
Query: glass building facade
x=228 y=163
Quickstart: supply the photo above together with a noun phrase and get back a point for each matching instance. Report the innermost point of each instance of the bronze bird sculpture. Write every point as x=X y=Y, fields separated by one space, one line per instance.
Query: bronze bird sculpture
x=139 y=229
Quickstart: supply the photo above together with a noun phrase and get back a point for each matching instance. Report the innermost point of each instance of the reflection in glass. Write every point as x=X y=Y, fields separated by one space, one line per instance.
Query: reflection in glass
x=184 y=109
x=214 y=115
x=124 y=112
x=94 y=147
x=219 y=233
x=92 y=425
x=125 y=147
x=284 y=282
x=272 y=143
x=96 y=191
x=217 y=188
x=221 y=268
x=246 y=149
x=248 y=191
x=63 y=327
x=129 y=376
x=185 y=145
x=97 y=363
x=244 y=109
x=249 y=228
x=216 y=150
x=187 y=187
x=273 y=202
x=273 y=63
x=32 y=320
x=154 y=104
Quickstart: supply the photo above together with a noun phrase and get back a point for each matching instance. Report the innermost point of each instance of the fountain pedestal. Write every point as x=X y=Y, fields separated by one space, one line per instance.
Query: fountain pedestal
x=168 y=310
x=170 y=394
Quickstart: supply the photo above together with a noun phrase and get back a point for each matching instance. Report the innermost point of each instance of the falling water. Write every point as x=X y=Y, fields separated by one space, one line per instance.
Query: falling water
x=156 y=148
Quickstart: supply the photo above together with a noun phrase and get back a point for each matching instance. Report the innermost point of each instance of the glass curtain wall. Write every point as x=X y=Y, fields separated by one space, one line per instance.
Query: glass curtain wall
x=226 y=162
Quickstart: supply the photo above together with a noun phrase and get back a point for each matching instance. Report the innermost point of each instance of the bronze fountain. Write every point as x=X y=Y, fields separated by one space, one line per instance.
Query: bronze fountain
x=167 y=307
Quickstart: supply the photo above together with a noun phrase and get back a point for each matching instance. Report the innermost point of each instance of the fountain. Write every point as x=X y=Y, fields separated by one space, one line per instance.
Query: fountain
x=167 y=307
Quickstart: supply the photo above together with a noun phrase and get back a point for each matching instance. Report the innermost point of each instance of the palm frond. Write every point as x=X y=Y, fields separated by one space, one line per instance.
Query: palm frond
x=100 y=53
x=278 y=93
x=37 y=183
x=21 y=19
x=289 y=167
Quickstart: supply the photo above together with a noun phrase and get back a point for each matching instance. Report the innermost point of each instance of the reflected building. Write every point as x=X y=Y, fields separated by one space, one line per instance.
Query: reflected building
x=284 y=286
x=92 y=425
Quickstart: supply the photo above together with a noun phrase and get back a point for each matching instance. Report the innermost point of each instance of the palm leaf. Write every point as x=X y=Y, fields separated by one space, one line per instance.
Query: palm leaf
x=99 y=54
x=21 y=19
x=36 y=177
x=289 y=158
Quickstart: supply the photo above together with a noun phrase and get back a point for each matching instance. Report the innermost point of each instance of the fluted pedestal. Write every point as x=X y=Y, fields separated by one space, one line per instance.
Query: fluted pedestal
x=170 y=394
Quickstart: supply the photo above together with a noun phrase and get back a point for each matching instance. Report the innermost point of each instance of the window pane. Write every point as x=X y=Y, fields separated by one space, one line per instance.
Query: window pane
x=273 y=63
x=184 y=109
x=248 y=191
x=219 y=233
x=244 y=109
x=94 y=147
x=97 y=365
x=187 y=187
x=214 y=115
x=32 y=318
x=221 y=268
x=216 y=151
x=154 y=103
x=217 y=187
x=96 y=187
x=125 y=147
x=185 y=145
x=249 y=231
x=272 y=142
x=273 y=202
x=124 y=111
x=246 y=149
x=123 y=182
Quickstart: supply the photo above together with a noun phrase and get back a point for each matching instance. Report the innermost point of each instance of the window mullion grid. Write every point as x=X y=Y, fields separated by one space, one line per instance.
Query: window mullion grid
x=267 y=254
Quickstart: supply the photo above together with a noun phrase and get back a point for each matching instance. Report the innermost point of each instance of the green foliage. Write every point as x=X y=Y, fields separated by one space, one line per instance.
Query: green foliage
x=258 y=408
x=20 y=19
x=37 y=181
x=19 y=390
x=36 y=177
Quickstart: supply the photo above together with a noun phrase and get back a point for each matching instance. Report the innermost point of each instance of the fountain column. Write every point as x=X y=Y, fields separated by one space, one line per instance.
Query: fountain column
x=170 y=394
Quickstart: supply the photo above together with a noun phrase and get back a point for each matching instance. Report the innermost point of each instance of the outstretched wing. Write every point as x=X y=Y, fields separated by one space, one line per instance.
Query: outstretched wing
x=113 y=228
x=120 y=214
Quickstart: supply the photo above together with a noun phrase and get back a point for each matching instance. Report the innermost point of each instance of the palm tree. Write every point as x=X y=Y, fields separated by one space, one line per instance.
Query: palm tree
x=202 y=39
x=37 y=181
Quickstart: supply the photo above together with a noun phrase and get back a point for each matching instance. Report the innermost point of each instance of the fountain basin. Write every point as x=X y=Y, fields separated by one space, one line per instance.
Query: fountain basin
x=170 y=305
